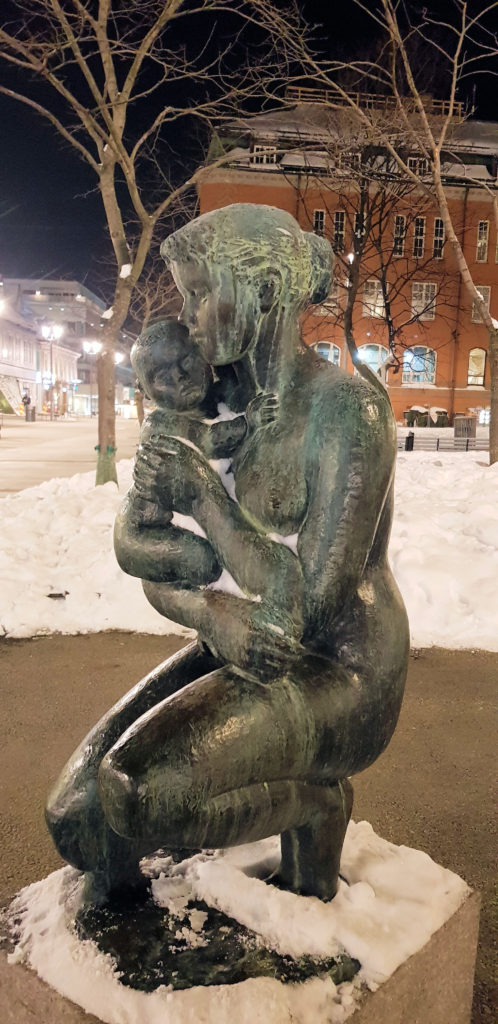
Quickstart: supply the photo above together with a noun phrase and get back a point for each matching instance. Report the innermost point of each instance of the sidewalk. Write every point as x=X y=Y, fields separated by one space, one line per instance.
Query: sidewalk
x=33 y=452
x=432 y=789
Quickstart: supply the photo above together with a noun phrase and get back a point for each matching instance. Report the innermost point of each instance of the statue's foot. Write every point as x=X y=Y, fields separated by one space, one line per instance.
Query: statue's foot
x=102 y=884
x=311 y=854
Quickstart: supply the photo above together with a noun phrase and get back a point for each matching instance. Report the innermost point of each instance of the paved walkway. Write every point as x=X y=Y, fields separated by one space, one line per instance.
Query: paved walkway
x=432 y=788
x=33 y=452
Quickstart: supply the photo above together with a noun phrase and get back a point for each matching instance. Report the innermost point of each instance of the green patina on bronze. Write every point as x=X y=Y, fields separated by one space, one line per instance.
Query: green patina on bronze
x=296 y=680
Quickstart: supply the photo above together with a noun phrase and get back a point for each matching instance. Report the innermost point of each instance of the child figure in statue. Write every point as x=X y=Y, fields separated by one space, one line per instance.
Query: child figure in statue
x=174 y=375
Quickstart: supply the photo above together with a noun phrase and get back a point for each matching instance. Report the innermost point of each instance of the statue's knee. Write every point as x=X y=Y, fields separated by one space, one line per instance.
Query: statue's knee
x=74 y=819
x=120 y=798
x=151 y=801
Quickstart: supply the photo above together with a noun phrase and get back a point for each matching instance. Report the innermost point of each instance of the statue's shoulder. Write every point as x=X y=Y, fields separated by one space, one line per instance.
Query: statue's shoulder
x=347 y=399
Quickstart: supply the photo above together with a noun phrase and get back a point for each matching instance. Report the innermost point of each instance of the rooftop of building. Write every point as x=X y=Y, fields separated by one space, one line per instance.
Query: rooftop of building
x=312 y=115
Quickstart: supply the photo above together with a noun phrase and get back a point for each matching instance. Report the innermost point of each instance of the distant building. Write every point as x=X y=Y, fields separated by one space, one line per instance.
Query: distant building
x=19 y=359
x=304 y=160
x=64 y=320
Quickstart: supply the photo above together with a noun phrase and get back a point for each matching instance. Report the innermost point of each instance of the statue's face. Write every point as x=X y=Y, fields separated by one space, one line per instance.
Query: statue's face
x=175 y=374
x=221 y=316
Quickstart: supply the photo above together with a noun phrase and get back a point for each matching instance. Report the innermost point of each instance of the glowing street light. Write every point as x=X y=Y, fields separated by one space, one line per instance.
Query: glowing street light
x=51 y=333
x=92 y=348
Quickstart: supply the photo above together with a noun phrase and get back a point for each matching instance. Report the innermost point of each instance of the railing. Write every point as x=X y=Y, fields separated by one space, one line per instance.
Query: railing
x=418 y=443
x=371 y=100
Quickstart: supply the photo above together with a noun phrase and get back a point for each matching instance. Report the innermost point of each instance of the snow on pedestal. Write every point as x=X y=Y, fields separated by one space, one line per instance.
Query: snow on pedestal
x=390 y=903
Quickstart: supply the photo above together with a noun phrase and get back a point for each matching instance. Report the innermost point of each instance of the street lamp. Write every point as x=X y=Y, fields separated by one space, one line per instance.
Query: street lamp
x=92 y=348
x=51 y=333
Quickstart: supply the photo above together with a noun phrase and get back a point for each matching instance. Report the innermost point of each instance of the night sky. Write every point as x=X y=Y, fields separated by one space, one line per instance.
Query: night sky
x=51 y=217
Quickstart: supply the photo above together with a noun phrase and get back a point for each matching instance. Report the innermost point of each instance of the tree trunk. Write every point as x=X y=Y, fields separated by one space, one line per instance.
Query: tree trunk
x=493 y=371
x=106 y=448
x=139 y=402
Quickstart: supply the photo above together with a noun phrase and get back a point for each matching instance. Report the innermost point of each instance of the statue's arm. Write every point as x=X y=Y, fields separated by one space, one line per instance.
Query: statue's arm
x=161 y=552
x=223 y=438
x=240 y=632
x=259 y=565
x=349 y=478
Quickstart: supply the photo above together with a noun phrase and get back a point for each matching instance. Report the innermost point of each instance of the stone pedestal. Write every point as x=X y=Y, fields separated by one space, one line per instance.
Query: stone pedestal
x=432 y=987
x=435 y=985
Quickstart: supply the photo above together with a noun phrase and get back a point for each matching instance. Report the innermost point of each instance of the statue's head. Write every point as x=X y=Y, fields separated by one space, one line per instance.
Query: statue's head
x=169 y=367
x=237 y=265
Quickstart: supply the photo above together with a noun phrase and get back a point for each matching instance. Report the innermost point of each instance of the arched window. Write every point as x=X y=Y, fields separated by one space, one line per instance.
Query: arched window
x=477 y=366
x=328 y=351
x=373 y=356
x=419 y=365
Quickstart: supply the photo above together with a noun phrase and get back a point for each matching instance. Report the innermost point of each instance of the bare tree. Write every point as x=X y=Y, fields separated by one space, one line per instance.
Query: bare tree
x=374 y=266
x=460 y=43
x=112 y=79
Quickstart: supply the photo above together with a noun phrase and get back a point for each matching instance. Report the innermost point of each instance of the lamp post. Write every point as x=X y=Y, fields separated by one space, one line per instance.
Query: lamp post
x=51 y=333
x=92 y=348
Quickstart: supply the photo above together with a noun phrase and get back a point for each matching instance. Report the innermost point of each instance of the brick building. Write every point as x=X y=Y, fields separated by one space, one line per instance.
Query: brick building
x=309 y=160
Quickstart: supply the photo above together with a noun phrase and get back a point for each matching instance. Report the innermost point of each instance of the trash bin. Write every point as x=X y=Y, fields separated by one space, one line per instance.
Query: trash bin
x=464 y=426
x=30 y=413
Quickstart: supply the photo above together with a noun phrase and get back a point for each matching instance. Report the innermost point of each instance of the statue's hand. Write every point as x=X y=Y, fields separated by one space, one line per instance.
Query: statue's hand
x=262 y=410
x=174 y=472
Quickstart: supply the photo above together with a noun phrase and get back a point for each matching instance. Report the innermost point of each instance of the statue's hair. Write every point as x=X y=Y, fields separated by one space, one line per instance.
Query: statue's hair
x=253 y=240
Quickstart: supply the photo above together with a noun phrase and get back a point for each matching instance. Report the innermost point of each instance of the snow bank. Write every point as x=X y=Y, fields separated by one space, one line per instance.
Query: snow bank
x=58 y=570
x=395 y=900
x=444 y=548
x=56 y=539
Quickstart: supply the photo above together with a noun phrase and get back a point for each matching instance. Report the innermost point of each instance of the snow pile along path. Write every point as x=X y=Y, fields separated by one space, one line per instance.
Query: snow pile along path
x=444 y=548
x=395 y=900
x=58 y=571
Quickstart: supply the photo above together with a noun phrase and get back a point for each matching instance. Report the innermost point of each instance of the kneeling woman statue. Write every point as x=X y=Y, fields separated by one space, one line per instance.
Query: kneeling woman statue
x=297 y=677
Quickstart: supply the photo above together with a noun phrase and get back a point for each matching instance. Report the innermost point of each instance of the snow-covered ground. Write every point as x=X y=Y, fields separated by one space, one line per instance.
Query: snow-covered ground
x=391 y=901
x=58 y=571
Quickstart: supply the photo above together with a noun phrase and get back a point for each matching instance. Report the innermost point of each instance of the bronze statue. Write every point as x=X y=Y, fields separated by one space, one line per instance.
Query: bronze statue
x=297 y=677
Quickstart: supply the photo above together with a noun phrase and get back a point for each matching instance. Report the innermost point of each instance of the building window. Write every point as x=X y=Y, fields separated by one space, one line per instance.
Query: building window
x=330 y=305
x=263 y=154
x=482 y=241
x=484 y=418
x=399 y=235
x=339 y=231
x=485 y=293
x=477 y=367
x=438 y=241
x=359 y=225
x=373 y=355
x=419 y=365
x=424 y=300
x=349 y=161
x=328 y=351
x=418 y=237
x=373 y=299
x=319 y=221
x=418 y=165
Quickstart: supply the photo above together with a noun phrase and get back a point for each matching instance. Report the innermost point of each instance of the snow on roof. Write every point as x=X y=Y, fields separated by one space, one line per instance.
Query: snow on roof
x=313 y=120
x=477 y=136
x=12 y=316
x=476 y=172
x=305 y=158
